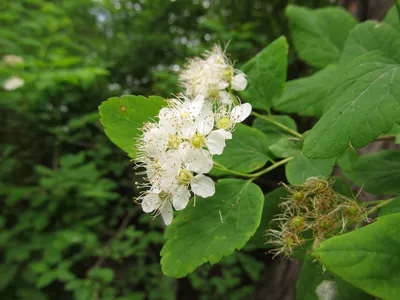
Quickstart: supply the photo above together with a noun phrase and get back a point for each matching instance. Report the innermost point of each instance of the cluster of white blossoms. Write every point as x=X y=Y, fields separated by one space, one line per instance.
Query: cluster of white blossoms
x=177 y=151
x=12 y=82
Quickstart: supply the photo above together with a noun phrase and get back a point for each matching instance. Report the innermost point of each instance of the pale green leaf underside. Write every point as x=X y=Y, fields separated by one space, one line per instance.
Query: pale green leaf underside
x=365 y=103
x=378 y=173
x=319 y=35
x=306 y=96
x=266 y=75
x=123 y=117
x=214 y=228
x=301 y=167
x=246 y=152
x=368 y=258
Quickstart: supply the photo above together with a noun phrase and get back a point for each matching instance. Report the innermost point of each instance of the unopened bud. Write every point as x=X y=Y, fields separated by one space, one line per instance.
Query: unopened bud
x=297 y=223
x=297 y=196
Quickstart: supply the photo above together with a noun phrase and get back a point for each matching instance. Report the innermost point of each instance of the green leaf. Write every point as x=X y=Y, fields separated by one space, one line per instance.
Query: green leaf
x=348 y=160
x=214 y=228
x=395 y=131
x=246 y=152
x=365 y=103
x=123 y=117
x=286 y=147
x=274 y=133
x=319 y=35
x=300 y=168
x=266 y=75
x=368 y=258
x=378 y=173
x=270 y=209
x=314 y=281
x=393 y=18
x=392 y=207
x=307 y=96
x=371 y=36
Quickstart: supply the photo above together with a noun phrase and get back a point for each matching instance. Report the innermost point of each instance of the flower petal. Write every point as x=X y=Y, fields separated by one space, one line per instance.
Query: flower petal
x=226 y=134
x=203 y=186
x=181 y=199
x=225 y=98
x=198 y=160
x=150 y=202
x=215 y=142
x=194 y=106
x=205 y=120
x=166 y=213
x=241 y=112
x=239 y=82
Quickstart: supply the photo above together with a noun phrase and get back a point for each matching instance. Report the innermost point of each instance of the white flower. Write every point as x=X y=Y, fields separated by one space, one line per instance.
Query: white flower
x=12 y=59
x=13 y=83
x=226 y=120
x=239 y=82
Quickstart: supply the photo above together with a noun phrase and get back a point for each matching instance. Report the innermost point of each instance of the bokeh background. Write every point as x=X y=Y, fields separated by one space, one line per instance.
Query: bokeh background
x=69 y=228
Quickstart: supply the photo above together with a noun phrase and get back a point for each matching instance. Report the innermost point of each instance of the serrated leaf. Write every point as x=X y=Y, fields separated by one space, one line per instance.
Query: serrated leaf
x=365 y=103
x=123 y=117
x=371 y=36
x=315 y=282
x=274 y=133
x=286 y=147
x=266 y=75
x=246 y=152
x=300 y=168
x=368 y=258
x=270 y=209
x=319 y=35
x=214 y=228
x=378 y=173
x=393 y=18
x=307 y=96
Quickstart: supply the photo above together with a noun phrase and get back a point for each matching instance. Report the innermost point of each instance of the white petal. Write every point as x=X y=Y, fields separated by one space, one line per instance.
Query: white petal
x=181 y=199
x=167 y=213
x=215 y=142
x=199 y=161
x=222 y=85
x=225 y=98
x=241 y=112
x=205 y=121
x=196 y=105
x=226 y=134
x=239 y=82
x=150 y=202
x=203 y=186
x=187 y=128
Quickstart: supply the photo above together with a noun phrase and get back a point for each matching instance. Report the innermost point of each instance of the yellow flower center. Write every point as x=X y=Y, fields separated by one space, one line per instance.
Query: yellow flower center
x=174 y=141
x=227 y=75
x=184 y=176
x=224 y=123
x=185 y=114
x=163 y=195
x=197 y=141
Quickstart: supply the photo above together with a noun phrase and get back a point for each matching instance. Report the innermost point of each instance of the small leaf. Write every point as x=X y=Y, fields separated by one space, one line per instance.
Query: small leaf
x=300 y=168
x=368 y=258
x=378 y=173
x=214 y=228
x=286 y=147
x=365 y=103
x=123 y=118
x=246 y=152
x=270 y=209
x=274 y=133
x=307 y=96
x=319 y=35
x=314 y=281
x=266 y=75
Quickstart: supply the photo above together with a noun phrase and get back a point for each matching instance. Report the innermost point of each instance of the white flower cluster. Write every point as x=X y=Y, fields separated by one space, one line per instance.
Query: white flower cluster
x=177 y=150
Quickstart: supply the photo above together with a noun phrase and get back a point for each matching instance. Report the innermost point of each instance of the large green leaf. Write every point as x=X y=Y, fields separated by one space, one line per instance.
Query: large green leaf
x=214 y=228
x=315 y=282
x=266 y=75
x=246 y=152
x=378 y=173
x=392 y=207
x=300 y=168
x=368 y=258
x=123 y=117
x=392 y=18
x=274 y=133
x=365 y=103
x=371 y=36
x=319 y=35
x=270 y=209
x=306 y=96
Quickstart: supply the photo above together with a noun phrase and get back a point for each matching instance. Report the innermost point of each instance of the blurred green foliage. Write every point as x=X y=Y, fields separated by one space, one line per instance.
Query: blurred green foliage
x=69 y=229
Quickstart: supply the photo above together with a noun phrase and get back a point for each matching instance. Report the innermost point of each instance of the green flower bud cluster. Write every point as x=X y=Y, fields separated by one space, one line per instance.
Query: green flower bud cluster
x=313 y=211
